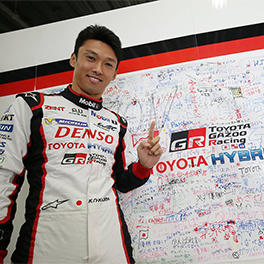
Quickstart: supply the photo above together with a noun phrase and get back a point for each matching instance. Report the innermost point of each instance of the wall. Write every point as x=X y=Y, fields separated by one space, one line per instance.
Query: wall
x=204 y=201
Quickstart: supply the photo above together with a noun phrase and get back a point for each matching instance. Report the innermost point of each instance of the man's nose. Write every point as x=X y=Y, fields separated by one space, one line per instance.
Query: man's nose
x=98 y=68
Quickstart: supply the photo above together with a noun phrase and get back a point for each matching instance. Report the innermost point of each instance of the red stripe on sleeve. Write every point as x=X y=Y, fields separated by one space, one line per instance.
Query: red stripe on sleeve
x=140 y=171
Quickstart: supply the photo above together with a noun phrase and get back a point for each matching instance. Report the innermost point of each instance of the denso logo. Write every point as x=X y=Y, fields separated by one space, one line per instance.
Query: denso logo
x=56 y=108
x=188 y=139
x=6 y=128
x=83 y=133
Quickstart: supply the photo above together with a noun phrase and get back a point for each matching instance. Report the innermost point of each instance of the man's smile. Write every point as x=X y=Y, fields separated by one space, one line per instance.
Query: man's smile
x=94 y=79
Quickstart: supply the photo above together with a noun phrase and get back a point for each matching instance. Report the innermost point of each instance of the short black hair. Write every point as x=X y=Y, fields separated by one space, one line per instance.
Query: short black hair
x=103 y=34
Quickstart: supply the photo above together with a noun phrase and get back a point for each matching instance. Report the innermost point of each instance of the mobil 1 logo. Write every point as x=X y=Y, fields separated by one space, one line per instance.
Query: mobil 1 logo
x=188 y=139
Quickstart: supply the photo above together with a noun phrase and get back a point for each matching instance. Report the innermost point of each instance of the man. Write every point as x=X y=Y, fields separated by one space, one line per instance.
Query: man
x=74 y=152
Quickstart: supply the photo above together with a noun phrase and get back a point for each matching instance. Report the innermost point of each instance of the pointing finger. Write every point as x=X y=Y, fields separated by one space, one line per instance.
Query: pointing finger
x=151 y=131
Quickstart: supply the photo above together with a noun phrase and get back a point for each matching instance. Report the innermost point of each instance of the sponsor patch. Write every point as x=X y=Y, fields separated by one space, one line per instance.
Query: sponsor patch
x=188 y=139
x=83 y=158
x=53 y=204
x=2 y=159
x=5 y=137
x=98 y=200
x=100 y=147
x=6 y=128
x=64 y=131
x=106 y=127
x=77 y=111
x=89 y=103
x=100 y=117
x=59 y=121
x=2 y=144
x=55 y=108
x=7 y=117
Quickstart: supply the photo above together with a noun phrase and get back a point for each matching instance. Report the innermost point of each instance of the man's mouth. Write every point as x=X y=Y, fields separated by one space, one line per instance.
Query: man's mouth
x=94 y=79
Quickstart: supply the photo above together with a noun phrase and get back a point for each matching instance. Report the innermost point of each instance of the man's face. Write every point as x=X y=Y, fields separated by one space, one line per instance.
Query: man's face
x=94 y=68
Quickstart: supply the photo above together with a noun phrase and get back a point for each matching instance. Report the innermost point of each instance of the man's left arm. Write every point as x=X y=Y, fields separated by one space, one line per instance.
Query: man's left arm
x=137 y=173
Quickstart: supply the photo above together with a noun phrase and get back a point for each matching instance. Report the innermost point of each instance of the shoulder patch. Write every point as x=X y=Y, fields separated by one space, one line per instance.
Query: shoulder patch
x=33 y=99
x=121 y=120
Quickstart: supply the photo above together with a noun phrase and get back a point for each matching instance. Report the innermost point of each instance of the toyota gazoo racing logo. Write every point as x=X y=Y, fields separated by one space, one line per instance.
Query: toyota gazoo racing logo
x=188 y=139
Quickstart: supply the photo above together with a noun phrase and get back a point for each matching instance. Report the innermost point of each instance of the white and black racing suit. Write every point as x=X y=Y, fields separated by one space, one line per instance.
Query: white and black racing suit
x=73 y=150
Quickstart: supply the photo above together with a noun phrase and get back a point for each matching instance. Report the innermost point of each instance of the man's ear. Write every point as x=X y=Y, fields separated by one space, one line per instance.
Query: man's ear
x=114 y=76
x=73 y=60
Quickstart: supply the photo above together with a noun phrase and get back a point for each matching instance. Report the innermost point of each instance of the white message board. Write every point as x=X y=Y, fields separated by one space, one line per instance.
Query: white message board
x=204 y=200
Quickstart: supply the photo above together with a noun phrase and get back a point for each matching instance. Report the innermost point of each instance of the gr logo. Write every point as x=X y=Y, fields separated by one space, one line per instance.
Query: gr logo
x=189 y=139
x=75 y=158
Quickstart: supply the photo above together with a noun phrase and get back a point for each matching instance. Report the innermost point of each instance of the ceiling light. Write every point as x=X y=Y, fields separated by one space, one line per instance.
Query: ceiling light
x=219 y=3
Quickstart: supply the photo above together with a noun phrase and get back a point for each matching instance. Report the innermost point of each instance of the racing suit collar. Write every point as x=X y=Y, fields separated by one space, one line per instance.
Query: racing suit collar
x=82 y=100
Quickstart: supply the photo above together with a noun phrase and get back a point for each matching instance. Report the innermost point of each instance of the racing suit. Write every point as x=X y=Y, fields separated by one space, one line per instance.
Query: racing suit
x=73 y=150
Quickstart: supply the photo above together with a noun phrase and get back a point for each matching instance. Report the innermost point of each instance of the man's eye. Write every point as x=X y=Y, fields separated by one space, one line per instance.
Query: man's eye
x=91 y=58
x=109 y=65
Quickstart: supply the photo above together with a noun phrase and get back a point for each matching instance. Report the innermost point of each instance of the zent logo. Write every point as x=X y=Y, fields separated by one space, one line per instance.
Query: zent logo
x=7 y=117
x=56 y=108
x=188 y=139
